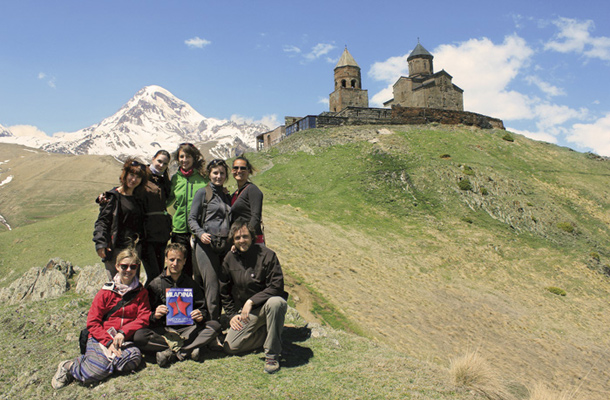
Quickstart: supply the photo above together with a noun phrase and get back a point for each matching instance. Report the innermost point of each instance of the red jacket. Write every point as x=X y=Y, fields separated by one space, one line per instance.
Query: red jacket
x=133 y=316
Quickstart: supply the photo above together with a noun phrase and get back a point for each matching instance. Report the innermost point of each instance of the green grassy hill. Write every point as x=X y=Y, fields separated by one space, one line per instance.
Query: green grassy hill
x=381 y=236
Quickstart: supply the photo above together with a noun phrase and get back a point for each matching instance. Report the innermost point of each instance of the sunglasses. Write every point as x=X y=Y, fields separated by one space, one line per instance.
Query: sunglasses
x=217 y=162
x=132 y=267
x=239 y=168
x=138 y=164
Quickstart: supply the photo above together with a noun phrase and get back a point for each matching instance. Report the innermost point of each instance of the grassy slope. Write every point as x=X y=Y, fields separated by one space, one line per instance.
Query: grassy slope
x=376 y=225
x=37 y=335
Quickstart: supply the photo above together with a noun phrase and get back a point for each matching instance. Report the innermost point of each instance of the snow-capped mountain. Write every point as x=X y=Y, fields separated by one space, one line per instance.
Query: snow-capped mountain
x=5 y=132
x=155 y=119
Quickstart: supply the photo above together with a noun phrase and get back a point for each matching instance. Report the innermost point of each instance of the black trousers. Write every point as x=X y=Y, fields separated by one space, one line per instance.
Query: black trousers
x=185 y=239
x=151 y=339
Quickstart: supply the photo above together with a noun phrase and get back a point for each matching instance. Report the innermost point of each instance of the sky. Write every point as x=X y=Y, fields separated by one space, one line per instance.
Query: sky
x=542 y=67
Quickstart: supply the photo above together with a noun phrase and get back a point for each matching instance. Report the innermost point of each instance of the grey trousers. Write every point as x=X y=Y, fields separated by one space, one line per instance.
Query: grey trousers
x=263 y=329
x=208 y=264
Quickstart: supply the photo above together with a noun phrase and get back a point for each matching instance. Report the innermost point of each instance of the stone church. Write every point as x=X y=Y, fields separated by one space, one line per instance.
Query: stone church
x=348 y=85
x=422 y=97
x=423 y=87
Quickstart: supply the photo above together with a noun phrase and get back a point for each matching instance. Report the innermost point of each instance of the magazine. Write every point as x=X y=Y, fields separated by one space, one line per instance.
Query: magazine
x=179 y=306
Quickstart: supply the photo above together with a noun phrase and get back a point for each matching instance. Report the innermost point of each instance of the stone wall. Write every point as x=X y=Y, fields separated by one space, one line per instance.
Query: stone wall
x=414 y=115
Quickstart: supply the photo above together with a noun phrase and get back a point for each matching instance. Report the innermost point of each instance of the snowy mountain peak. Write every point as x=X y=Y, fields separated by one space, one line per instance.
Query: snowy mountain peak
x=155 y=119
x=5 y=132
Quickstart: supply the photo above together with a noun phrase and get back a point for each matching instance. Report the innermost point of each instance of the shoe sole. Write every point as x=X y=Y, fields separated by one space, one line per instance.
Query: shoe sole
x=54 y=381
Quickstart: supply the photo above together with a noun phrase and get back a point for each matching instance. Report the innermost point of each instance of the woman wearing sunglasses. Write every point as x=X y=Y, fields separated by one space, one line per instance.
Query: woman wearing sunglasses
x=247 y=201
x=210 y=221
x=120 y=223
x=118 y=310
x=185 y=184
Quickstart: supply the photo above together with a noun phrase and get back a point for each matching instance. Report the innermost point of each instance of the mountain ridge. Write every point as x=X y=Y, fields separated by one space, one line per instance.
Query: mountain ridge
x=152 y=119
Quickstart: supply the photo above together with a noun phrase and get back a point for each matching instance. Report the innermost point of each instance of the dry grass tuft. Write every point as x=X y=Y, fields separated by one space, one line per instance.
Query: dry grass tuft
x=471 y=371
x=541 y=392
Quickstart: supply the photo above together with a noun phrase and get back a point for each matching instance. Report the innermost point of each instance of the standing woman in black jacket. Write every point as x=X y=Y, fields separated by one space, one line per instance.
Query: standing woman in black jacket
x=120 y=223
x=247 y=201
x=157 y=222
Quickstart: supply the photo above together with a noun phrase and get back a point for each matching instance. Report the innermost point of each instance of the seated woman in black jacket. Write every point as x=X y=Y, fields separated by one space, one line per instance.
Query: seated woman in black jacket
x=253 y=296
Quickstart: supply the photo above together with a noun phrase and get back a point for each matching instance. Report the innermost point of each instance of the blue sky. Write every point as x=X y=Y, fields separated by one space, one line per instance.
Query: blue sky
x=543 y=67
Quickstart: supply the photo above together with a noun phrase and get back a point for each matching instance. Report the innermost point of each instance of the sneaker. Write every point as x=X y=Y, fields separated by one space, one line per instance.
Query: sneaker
x=62 y=377
x=195 y=354
x=165 y=358
x=271 y=366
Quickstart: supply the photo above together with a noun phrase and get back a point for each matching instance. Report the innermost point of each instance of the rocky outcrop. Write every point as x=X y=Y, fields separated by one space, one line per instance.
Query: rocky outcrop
x=90 y=279
x=50 y=281
x=53 y=280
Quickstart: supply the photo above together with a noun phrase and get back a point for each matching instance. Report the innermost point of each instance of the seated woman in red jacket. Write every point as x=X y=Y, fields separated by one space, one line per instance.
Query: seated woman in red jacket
x=126 y=302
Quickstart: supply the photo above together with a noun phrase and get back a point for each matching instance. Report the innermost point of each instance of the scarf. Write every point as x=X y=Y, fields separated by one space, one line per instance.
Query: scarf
x=121 y=288
x=188 y=173
x=155 y=171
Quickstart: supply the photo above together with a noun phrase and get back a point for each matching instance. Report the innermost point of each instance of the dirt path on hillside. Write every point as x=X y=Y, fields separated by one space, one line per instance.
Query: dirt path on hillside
x=435 y=300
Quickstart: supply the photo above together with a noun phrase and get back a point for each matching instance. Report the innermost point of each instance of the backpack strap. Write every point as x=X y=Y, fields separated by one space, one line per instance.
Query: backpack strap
x=209 y=193
x=122 y=303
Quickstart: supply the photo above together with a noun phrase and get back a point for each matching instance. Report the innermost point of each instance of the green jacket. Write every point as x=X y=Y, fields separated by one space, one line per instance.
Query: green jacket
x=181 y=196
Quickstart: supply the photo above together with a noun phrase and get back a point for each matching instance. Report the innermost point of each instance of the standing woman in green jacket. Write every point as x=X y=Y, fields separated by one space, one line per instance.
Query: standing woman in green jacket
x=185 y=184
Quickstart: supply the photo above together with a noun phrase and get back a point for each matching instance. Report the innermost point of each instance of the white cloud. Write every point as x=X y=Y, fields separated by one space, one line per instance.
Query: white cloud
x=390 y=70
x=595 y=136
x=291 y=49
x=197 y=42
x=574 y=37
x=545 y=137
x=50 y=82
x=486 y=71
x=545 y=87
x=553 y=115
x=27 y=130
x=318 y=51
x=324 y=100
x=270 y=121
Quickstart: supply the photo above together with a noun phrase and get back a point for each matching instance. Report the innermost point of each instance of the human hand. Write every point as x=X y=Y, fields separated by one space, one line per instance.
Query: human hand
x=197 y=315
x=114 y=350
x=236 y=323
x=206 y=238
x=118 y=340
x=245 y=311
x=102 y=252
x=161 y=311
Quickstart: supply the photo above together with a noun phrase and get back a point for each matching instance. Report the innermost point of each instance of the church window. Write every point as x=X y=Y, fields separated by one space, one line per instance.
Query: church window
x=343 y=83
x=353 y=83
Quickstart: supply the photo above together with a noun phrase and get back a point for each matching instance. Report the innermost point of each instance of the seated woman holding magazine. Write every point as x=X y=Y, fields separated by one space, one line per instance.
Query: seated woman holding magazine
x=118 y=310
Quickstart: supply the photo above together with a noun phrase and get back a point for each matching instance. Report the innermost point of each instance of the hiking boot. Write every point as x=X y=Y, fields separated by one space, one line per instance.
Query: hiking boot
x=195 y=354
x=62 y=377
x=165 y=358
x=271 y=366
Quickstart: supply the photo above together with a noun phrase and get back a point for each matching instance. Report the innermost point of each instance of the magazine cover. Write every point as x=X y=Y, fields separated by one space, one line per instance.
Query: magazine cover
x=179 y=306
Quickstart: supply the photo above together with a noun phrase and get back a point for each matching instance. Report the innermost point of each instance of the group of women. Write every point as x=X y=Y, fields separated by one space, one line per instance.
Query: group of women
x=133 y=225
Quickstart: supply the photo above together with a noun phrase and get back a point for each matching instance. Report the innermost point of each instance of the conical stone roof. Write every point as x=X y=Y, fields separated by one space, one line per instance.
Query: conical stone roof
x=346 y=60
x=419 y=51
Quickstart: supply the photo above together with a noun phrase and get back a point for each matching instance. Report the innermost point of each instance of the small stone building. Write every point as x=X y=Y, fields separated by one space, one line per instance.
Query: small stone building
x=424 y=88
x=348 y=85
